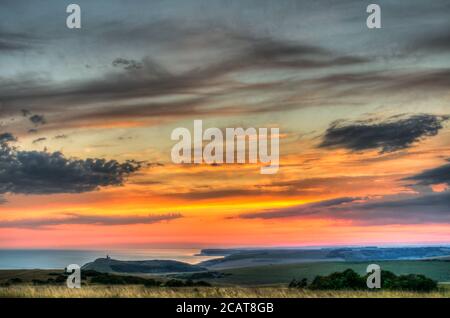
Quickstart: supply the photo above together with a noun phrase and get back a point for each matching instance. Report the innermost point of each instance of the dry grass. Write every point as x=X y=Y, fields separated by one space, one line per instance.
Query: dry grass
x=131 y=291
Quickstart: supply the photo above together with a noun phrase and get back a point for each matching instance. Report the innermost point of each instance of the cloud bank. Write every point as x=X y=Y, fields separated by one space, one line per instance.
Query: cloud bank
x=394 y=134
x=407 y=209
x=80 y=219
x=433 y=176
x=40 y=172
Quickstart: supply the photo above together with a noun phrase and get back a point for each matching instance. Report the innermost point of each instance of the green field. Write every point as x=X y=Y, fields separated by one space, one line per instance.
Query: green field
x=256 y=281
x=284 y=273
x=280 y=274
x=27 y=275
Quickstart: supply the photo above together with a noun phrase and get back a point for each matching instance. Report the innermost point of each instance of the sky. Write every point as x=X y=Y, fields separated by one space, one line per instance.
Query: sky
x=86 y=117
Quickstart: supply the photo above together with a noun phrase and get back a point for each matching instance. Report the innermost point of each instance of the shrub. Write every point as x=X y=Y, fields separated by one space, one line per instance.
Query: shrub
x=350 y=280
x=303 y=283
x=188 y=283
x=38 y=282
x=411 y=282
x=109 y=279
x=174 y=283
x=15 y=280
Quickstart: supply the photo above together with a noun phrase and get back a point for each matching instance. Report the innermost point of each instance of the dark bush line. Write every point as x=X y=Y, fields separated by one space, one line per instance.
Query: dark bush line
x=201 y=275
x=350 y=280
x=187 y=283
x=110 y=279
x=303 y=283
x=107 y=279
x=95 y=277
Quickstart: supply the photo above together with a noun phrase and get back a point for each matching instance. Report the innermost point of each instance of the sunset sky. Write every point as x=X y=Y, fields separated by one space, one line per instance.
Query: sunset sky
x=86 y=117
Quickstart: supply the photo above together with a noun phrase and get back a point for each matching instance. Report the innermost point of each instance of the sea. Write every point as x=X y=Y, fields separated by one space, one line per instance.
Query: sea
x=59 y=259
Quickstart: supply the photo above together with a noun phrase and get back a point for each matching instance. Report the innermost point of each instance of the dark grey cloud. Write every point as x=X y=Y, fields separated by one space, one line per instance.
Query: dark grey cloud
x=298 y=187
x=37 y=119
x=207 y=194
x=17 y=41
x=302 y=210
x=6 y=137
x=38 y=140
x=434 y=80
x=336 y=202
x=393 y=134
x=25 y=112
x=40 y=172
x=246 y=50
x=406 y=209
x=73 y=218
x=365 y=82
x=436 y=43
x=431 y=208
x=433 y=176
x=13 y=42
x=266 y=53
x=10 y=46
x=127 y=64
x=138 y=79
x=148 y=79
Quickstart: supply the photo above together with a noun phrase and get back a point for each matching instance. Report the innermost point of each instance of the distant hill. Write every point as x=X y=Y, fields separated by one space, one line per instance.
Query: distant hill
x=235 y=258
x=240 y=258
x=439 y=258
x=259 y=257
x=108 y=265
x=389 y=253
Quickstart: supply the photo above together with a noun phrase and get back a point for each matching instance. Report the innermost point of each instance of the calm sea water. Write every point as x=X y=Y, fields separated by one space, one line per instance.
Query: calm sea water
x=53 y=259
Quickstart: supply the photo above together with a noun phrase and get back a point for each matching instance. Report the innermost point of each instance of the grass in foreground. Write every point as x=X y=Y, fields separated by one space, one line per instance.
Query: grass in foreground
x=132 y=291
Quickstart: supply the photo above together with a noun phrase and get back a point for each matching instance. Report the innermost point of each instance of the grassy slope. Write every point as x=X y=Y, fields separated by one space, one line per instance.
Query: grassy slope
x=231 y=292
x=27 y=275
x=282 y=274
x=276 y=275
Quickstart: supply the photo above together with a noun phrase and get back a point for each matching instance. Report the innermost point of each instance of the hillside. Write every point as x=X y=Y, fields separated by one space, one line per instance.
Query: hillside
x=108 y=265
x=235 y=258
x=282 y=274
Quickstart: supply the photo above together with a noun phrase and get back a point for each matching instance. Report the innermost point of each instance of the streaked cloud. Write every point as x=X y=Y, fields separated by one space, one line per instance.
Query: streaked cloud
x=439 y=43
x=436 y=175
x=83 y=219
x=38 y=140
x=193 y=91
x=398 y=209
x=127 y=64
x=37 y=119
x=6 y=137
x=301 y=210
x=13 y=41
